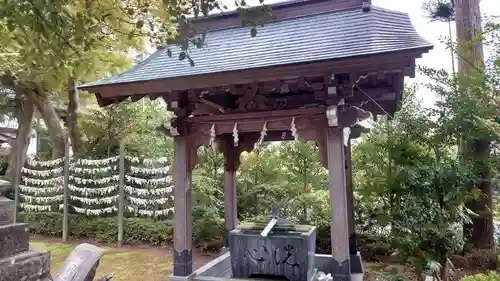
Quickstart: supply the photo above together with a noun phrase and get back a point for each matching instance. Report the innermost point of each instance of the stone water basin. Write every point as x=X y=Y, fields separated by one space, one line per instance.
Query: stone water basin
x=286 y=251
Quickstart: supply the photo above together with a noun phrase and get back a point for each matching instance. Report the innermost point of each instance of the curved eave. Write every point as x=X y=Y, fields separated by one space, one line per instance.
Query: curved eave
x=117 y=92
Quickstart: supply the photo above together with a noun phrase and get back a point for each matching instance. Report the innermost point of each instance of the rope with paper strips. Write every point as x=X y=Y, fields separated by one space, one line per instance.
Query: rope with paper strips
x=93 y=186
x=148 y=187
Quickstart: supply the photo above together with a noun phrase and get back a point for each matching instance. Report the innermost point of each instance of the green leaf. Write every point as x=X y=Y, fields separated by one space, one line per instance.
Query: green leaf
x=182 y=55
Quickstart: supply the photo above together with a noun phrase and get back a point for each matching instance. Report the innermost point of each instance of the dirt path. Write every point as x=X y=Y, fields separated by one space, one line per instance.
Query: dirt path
x=200 y=258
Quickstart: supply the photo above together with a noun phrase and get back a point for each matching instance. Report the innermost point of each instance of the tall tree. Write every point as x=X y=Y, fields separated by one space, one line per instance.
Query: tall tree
x=477 y=150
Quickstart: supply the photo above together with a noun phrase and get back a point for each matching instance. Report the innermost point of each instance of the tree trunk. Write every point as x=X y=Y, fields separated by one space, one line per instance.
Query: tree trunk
x=49 y=115
x=470 y=64
x=72 y=122
x=24 y=114
x=469 y=29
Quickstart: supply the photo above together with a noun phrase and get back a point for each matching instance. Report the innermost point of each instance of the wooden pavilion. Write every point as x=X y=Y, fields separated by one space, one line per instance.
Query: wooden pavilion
x=315 y=69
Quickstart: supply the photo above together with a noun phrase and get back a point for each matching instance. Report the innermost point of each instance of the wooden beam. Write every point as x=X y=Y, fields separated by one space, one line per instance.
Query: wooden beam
x=278 y=120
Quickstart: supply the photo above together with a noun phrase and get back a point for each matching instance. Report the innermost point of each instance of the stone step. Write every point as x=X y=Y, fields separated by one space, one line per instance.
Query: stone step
x=14 y=239
x=6 y=211
x=27 y=266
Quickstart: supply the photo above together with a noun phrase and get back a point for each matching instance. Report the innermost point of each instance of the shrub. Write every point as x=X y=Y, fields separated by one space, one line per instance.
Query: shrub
x=102 y=229
x=491 y=276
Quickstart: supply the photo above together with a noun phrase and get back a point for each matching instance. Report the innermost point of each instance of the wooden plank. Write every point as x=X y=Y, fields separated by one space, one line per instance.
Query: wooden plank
x=338 y=201
x=258 y=115
x=121 y=194
x=65 y=228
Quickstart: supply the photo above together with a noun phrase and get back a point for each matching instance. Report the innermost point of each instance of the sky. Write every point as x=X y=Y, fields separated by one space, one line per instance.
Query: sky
x=434 y=32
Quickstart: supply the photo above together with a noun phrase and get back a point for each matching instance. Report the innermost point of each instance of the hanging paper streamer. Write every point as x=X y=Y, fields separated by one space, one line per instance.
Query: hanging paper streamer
x=44 y=182
x=42 y=173
x=93 y=191
x=40 y=190
x=212 y=137
x=49 y=163
x=235 y=135
x=146 y=202
x=293 y=129
x=263 y=134
x=151 y=191
x=151 y=213
x=95 y=181
x=92 y=170
x=140 y=181
x=42 y=200
x=150 y=171
x=95 y=201
x=148 y=161
x=95 y=212
x=35 y=208
x=96 y=162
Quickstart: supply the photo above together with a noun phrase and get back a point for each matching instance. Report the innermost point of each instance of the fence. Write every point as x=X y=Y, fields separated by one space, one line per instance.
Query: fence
x=115 y=185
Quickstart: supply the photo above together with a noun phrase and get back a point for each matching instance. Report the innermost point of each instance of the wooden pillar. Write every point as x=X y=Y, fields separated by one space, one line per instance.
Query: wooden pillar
x=121 y=193
x=183 y=260
x=353 y=248
x=65 y=227
x=341 y=269
x=231 y=163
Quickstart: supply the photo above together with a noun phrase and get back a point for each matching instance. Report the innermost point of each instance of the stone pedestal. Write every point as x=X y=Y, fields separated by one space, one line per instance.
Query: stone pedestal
x=17 y=260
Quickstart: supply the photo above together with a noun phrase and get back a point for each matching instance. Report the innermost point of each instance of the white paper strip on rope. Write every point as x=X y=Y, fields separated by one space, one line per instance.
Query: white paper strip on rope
x=35 y=208
x=92 y=170
x=43 y=173
x=95 y=212
x=139 y=181
x=42 y=200
x=96 y=162
x=48 y=163
x=150 y=171
x=150 y=213
x=43 y=182
x=40 y=190
x=93 y=191
x=91 y=201
x=95 y=181
x=147 y=161
x=146 y=202
x=151 y=191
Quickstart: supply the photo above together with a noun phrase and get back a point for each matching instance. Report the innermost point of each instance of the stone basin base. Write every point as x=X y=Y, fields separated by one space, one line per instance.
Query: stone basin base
x=220 y=269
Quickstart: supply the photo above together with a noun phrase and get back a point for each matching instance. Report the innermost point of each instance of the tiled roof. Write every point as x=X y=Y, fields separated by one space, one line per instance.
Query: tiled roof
x=304 y=39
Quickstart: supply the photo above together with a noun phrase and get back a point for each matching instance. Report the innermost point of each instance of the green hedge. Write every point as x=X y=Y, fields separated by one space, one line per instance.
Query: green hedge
x=102 y=229
x=206 y=233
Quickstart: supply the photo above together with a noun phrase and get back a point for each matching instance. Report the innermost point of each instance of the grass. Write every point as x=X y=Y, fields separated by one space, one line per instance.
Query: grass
x=128 y=265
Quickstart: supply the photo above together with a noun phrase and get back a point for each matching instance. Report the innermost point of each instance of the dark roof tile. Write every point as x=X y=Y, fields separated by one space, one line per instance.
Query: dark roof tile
x=310 y=38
